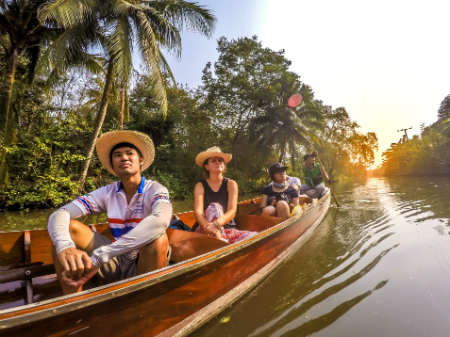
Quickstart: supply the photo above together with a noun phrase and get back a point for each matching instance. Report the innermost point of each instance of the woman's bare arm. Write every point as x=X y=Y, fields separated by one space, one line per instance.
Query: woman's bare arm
x=208 y=227
x=232 y=189
x=198 y=205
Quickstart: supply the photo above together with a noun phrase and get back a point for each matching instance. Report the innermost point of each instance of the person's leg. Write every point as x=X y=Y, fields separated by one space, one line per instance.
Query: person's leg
x=308 y=190
x=320 y=189
x=305 y=188
x=316 y=192
x=269 y=211
x=153 y=256
x=283 y=210
x=83 y=238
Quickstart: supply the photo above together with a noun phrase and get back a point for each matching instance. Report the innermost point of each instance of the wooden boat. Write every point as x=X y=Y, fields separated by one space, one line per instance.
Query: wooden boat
x=173 y=301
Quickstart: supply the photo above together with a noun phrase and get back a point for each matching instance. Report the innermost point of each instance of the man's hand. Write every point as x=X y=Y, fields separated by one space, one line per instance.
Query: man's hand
x=317 y=156
x=75 y=262
x=76 y=282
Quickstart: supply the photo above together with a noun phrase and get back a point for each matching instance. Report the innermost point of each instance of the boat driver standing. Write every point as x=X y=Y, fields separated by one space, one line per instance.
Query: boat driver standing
x=138 y=210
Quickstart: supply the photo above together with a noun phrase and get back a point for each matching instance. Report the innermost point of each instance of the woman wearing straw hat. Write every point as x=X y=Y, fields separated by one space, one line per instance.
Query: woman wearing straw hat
x=215 y=198
x=138 y=210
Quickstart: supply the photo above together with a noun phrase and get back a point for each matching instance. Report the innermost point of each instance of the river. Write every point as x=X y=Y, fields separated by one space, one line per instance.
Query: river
x=377 y=266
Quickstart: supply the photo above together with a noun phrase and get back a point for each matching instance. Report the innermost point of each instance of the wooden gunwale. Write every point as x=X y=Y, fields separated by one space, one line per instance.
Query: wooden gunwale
x=50 y=308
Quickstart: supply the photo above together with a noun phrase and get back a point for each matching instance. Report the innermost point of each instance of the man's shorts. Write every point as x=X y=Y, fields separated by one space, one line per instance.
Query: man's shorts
x=117 y=268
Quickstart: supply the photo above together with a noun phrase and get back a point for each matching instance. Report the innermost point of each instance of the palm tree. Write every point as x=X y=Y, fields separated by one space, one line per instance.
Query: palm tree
x=126 y=26
x=282 y=128
x=285 y=128
x=21 y=34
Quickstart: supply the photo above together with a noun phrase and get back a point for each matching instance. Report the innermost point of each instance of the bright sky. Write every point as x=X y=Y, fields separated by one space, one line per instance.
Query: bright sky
x=386 y=62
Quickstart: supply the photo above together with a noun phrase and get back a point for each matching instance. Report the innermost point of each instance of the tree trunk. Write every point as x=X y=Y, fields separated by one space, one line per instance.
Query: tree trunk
x=292 y=145
x=283 y=149
x=7 y=125
x=122 y=104
x=98 y=124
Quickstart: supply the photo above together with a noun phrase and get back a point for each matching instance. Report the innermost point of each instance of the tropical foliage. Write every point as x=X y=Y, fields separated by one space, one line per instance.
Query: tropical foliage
x=118 y=28
x=240 y=106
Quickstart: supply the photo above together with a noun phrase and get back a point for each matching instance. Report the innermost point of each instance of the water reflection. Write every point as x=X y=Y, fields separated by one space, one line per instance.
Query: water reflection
x=379 y=265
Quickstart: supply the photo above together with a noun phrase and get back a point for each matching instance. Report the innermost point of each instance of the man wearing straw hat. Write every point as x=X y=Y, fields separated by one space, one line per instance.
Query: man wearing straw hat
x=138 y=210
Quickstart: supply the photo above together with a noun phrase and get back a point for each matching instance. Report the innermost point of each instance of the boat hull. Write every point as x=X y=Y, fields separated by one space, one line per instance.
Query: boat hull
x=173 y=301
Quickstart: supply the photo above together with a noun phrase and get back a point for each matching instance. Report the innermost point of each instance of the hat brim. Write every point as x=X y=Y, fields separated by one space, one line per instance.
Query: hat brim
x=107 y=141
x=202 y=156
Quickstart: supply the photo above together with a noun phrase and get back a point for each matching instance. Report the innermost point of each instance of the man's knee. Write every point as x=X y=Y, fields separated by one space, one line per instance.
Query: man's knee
x=158 y=247
x=81 y=234
x=320 y=188
x=77 y=228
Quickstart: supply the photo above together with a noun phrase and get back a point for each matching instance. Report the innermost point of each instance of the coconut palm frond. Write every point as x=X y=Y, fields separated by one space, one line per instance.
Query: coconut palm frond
x=120 y=48
x=68 y=13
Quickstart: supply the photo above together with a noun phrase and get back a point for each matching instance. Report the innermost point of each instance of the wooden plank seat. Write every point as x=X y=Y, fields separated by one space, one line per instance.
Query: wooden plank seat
x=26 y=273
x=32 y=253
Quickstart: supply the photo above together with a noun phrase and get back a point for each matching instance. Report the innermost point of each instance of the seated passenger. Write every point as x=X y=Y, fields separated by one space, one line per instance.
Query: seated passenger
x=215 y=199
x=314 y=175
x=279 y=198
x=138 y=210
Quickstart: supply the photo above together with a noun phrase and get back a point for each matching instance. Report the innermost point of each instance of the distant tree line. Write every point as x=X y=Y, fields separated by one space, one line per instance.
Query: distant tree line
x=424 y=154
x=59 y=98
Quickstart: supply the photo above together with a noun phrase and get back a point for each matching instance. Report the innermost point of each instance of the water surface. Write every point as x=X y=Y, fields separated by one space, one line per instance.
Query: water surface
x=377 y=266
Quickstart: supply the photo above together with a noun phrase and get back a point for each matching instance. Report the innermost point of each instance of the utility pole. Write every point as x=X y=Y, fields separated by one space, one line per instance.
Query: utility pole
x=406 y=134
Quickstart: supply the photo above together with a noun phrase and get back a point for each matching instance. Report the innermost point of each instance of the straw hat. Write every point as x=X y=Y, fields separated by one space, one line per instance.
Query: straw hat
x=108 y=140
x=212 y=152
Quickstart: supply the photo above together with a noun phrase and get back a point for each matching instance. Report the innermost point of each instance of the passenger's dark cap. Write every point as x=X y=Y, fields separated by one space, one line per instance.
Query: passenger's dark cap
x=277 y=167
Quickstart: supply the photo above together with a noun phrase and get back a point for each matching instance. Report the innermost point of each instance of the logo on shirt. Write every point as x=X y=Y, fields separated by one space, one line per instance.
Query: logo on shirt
x=161 y=197
x=139 y=208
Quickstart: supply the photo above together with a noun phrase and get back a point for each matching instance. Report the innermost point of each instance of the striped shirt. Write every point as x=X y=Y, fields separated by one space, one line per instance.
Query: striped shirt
x=123 y=217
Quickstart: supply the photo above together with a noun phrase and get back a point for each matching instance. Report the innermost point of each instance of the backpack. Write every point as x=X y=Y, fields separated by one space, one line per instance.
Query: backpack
x=180 y=225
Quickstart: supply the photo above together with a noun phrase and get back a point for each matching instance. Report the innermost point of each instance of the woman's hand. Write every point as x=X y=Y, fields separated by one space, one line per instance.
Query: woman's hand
x=211 y=230
x=274 y=201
